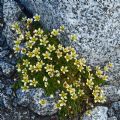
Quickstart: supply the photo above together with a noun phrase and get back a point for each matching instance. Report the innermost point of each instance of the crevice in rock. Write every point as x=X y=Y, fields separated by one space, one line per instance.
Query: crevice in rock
x=24 y=9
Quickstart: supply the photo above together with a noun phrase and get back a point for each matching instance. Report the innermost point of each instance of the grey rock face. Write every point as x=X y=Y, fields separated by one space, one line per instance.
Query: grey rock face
x=4 y=53
x=114 y=110
x=1 y=41
x=1 y=101
x=111 y=112
x=98 y=113
x=11 y=11
x=96 y=22
x=1 y=85
x=31 y=100
x=116 y=106
x=7 y=68
x=9 y=91
x=20 y=113
x=112 y=93
x=5 y=101
x=112 y=118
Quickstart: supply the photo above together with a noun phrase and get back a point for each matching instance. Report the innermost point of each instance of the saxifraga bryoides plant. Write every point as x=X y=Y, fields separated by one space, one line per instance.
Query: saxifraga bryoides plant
x=47 y=64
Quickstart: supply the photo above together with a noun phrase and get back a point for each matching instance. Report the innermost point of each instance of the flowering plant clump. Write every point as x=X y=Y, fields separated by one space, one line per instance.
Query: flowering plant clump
x=45 y=63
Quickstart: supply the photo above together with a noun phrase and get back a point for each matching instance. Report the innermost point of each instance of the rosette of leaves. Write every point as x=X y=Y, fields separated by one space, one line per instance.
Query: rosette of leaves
x=45 y=63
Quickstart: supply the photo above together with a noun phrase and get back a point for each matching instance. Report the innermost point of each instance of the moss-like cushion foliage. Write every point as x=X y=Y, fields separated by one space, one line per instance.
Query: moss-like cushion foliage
x=45 y=63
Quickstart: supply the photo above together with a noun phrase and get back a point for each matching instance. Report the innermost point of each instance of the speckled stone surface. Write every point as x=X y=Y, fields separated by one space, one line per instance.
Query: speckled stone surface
x=96 y=22
x=20 y=113
x=114 y=110
x=31 y=98
x=11 y=11
x=112 y=118
x=7 y=69
x=98 y=113
x=111 y=92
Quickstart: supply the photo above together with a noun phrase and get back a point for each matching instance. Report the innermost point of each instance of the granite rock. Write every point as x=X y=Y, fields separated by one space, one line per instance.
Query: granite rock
x=112 y=118
x=20 y=113
x=9 y=91
x=31 y=100
x=1 y=16
x=114 y=110
x=1 y=100
x=7 y=68
x=1 y=85
x=5 y=101
x=112 y=93
x=4 y=53
x=11 y=13
x=1 y=40
x=111 y=112
x=98 y=113
x=116 y=106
